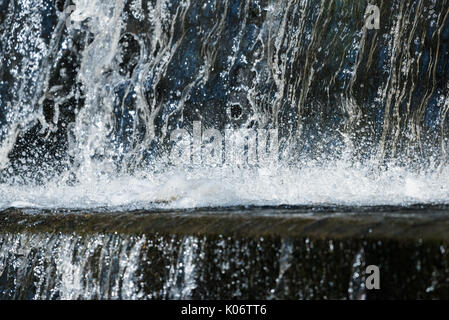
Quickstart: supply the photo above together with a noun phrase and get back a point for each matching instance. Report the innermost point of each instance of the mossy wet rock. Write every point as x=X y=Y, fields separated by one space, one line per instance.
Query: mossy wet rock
x=219 y=255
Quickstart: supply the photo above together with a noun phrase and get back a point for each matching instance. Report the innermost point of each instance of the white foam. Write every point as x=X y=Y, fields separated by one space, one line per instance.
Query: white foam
x=336 y=184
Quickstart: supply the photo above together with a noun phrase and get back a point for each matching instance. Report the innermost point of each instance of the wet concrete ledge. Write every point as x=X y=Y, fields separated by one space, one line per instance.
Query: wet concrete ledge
x=433 y=225
x=223 y=254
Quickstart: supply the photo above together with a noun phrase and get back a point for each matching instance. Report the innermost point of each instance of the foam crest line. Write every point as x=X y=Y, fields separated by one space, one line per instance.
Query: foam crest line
x=224 y=187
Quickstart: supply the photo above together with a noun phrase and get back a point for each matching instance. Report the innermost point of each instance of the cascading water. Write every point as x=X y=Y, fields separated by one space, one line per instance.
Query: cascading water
x=122 y=105
x=92 y=91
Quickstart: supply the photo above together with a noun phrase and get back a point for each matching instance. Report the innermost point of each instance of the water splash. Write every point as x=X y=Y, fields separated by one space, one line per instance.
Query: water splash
x=319 y=185
x=361 y=113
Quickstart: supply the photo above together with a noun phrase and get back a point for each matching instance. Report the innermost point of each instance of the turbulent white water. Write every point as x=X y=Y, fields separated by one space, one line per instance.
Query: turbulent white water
x=335 y=184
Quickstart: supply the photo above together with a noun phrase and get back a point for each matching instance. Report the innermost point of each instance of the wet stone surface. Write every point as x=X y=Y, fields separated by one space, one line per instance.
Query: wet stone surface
x=219 y=255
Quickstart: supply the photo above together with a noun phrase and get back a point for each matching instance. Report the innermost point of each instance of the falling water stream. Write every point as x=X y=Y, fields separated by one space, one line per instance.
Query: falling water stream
x=123 y=105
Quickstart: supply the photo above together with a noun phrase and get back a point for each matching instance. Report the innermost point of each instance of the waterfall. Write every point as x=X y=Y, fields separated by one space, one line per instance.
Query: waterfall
x=117 y=106
x=38 y=263
x=46 y=266
x=95 y=91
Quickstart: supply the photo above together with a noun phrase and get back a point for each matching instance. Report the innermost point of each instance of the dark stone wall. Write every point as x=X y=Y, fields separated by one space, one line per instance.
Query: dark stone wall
x=220 y=256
